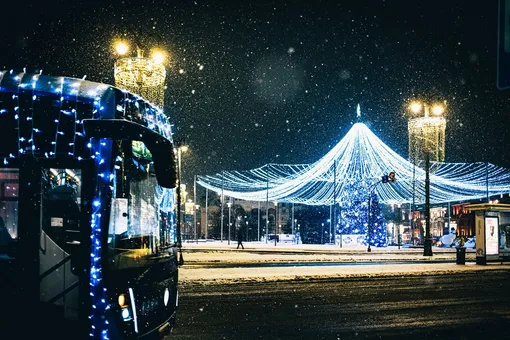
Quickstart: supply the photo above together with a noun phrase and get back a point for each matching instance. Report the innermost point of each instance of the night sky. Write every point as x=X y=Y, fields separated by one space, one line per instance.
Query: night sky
x=252 y=82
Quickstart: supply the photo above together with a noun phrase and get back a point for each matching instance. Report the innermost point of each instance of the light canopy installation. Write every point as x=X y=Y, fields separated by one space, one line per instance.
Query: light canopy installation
x=360 y=156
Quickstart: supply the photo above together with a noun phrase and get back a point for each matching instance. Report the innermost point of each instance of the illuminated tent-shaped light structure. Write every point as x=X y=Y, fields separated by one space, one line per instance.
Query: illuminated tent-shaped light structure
x=360 y=156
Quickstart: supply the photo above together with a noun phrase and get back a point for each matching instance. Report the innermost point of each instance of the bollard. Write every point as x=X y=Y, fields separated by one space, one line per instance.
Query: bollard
x=461 y=255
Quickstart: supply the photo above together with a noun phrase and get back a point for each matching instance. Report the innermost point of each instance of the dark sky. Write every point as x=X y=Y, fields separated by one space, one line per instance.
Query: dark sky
x=280 y=80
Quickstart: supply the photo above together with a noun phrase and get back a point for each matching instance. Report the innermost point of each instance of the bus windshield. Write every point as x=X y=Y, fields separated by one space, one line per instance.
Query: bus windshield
x=138 y=230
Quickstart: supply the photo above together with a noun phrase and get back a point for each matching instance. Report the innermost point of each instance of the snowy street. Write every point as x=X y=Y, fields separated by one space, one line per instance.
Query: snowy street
x=415 y=302
x=216 y=262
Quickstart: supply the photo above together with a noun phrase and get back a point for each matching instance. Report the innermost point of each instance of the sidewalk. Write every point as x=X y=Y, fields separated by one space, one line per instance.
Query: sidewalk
x=201 y=262
x=280 y=246
x=257 y=252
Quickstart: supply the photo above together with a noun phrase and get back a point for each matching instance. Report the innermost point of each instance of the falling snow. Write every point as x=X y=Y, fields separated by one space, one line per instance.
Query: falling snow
x=235 y=67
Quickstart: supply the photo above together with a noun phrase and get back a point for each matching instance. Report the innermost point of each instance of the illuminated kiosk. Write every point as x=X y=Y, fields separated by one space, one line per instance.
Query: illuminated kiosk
x=492 y=224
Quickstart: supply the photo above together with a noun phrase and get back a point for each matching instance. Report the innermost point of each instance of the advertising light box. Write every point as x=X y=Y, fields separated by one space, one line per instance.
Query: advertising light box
x=491 y=235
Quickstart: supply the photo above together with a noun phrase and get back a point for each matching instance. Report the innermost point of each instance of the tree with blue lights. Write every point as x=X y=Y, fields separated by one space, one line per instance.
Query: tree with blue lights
x=353 y=219
x=378 y=232
x=353 y=215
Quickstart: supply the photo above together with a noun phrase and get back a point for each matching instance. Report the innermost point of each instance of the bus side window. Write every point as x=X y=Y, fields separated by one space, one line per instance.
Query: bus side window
x=61 y=207
x=9 y=179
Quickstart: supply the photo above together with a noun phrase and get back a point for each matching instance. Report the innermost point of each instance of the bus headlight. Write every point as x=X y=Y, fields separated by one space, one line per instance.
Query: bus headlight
x=122 y=301
x=126 y=315
x=166 y=297
x=125 y=311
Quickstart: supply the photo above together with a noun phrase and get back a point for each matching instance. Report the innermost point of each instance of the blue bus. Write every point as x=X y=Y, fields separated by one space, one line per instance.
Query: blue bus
x=88 y=240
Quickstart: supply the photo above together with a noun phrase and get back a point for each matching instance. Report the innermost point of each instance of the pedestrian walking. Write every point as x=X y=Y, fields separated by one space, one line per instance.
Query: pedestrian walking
x=240 y=237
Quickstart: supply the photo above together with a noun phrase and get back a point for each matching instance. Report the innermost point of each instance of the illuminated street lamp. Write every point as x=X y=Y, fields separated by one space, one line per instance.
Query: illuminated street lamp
x=427 y=129
x=426 y=140
x=141 y=75
x=180 y=149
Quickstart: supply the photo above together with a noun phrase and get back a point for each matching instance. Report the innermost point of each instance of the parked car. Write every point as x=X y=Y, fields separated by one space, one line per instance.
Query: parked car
x=447 y=240
x=470 y=243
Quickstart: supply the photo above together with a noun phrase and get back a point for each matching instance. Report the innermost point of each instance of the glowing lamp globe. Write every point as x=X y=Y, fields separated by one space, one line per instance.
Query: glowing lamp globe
x=121 y=47
x=158 y=57
x=437 y=109
x=415 y=107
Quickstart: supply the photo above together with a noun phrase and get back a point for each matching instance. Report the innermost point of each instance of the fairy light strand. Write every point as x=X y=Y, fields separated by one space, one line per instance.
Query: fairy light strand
x=360 y=155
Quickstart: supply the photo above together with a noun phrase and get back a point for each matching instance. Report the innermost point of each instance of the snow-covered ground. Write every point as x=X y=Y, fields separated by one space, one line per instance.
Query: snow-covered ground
x=202 y=260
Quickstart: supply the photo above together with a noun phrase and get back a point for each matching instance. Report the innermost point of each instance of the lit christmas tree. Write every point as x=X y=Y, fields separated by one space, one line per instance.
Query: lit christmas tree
x=378 y=232
x=353 y=219
x=353 y=215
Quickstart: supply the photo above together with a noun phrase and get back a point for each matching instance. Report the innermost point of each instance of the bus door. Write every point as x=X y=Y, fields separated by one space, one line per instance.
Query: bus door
x=63 y=233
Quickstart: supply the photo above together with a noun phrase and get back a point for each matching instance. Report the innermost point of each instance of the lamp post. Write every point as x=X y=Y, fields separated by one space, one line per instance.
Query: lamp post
x=329 y=221
x=222 y=198
x=247 y=232
x=369 y=220
x=229 y=204
x=390 y=178
x=294 y=230
x=197 y=207
x=180 y=149
x=206 y=231
x=340 y=224
x=258 y=223
x=371 y=190
x=275 y=221
x=427 y=246
x=267 y=227
x=426 y=136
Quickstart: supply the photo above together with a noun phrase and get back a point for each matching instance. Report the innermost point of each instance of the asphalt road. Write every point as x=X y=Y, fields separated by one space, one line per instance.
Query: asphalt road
x=471 y=305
